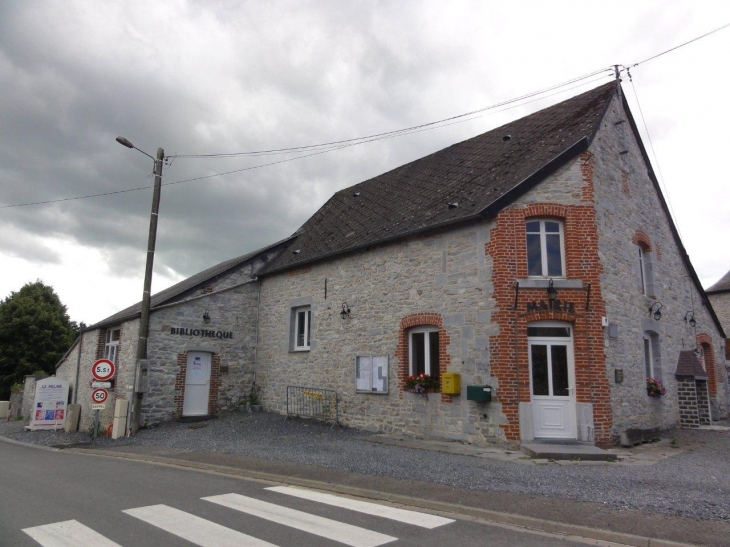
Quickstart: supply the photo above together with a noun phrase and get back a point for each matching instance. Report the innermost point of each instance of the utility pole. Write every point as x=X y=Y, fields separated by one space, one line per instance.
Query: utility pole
x=144 y=319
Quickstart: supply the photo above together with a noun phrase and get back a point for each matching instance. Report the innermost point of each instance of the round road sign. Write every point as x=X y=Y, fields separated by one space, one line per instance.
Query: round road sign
x=99 y=395
x=103 y=369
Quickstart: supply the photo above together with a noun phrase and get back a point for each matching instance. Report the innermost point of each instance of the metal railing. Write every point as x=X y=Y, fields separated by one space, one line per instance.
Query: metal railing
x=312 y=402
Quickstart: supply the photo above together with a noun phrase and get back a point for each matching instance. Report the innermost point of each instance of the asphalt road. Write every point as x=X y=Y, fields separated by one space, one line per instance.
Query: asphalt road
x=100 y=502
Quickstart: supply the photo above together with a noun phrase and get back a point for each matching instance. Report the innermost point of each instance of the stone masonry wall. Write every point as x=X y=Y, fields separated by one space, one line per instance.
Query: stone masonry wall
x=126 y=359
x=233 y=310
x=629 y=213
x=443 y=275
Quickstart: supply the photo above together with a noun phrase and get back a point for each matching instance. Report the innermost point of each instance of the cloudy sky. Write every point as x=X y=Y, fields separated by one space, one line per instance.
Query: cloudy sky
x=231 y=76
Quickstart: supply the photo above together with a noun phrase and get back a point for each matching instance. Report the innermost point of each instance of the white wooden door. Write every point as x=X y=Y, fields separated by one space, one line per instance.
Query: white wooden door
x=552 y=383
x=197 y=384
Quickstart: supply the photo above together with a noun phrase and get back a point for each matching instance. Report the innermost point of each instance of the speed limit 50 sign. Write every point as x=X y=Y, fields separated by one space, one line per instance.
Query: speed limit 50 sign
x=99 y=396
x=103 y=369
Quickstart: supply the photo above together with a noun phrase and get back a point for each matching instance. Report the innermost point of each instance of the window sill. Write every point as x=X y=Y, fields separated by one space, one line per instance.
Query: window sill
x=544 y=283
x=299 y=350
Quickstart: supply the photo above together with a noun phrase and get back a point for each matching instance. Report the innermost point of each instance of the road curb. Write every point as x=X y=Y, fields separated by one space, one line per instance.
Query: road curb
x=29 y=445
x=511 y=519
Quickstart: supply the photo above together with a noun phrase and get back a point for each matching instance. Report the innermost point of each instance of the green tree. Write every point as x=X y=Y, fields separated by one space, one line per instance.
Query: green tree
x=35 y=332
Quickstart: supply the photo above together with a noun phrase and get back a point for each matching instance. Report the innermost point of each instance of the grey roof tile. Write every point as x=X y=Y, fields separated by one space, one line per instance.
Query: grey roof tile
x=474 y=173
x=185 y=285
x=721 y=286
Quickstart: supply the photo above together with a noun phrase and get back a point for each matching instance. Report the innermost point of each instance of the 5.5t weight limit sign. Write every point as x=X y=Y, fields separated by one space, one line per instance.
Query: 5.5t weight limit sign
x=103 y=369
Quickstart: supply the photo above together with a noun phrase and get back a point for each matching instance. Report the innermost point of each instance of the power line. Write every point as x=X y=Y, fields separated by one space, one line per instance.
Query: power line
x=338 y=145
x=396 y=131
x=718 y=29
x=653 y=152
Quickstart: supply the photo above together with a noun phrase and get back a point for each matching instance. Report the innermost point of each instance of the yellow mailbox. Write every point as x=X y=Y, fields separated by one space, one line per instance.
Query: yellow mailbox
x=451 y=383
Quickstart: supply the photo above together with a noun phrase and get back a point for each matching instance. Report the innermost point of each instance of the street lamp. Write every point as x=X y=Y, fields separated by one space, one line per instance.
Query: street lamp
x=144 y=320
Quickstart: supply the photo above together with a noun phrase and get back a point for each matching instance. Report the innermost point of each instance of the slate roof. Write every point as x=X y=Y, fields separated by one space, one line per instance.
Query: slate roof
x=481 y=175
x=185 y=285
x=721 y=286
x=689 y=365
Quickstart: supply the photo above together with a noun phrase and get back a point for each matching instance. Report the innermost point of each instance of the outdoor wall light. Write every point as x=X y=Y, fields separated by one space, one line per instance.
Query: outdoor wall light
x=206 y=317
x=655 y=310
x=552 y=291
x=345 y=313
x=689 y=317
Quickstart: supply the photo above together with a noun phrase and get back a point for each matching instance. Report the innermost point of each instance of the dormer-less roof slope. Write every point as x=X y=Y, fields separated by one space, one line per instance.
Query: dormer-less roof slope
x=721 y=286
x=481 y=175
x=186 y=285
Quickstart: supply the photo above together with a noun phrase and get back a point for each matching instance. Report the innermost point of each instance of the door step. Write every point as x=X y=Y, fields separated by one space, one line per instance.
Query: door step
x=559 y=451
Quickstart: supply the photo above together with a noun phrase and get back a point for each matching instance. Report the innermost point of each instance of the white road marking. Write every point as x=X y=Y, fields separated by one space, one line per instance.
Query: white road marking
x=194 y=529
x=424 y=520
x=70 y=533
x=320 y=526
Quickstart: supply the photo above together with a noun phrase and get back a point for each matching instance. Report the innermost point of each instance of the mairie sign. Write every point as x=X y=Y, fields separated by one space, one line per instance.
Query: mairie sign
x=204 y=333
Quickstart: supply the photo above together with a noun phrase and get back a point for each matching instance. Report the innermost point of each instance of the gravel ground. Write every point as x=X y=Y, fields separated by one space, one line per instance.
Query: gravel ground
x=694 y=483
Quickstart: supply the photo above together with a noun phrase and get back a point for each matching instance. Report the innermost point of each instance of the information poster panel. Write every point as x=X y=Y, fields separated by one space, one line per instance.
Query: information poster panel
x=371 y=374
x=49 y=405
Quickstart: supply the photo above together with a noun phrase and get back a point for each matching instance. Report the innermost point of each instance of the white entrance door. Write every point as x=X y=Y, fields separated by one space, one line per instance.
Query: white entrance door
x=552 y=381
x=197 y=384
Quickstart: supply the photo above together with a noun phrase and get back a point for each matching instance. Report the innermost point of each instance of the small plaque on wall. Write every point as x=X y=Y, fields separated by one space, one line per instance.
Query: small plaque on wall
x=618 y=375
x=224 y=369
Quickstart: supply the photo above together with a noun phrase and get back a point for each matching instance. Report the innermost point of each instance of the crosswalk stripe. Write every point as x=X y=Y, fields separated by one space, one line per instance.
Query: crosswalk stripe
x=320 y=526
x=69 y=533
x=194 y=529
x=424 y=520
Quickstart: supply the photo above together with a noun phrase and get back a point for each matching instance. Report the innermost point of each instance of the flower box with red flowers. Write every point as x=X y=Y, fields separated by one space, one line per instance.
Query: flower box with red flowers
x=654 y=388
x=421 y=383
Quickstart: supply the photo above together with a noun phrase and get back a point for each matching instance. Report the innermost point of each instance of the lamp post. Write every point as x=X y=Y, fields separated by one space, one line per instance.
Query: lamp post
x=144 y=320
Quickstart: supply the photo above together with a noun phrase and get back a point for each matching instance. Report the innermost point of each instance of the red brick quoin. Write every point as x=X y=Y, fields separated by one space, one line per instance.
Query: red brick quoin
x=509 y=362
x=426 y=319
x=215 y=383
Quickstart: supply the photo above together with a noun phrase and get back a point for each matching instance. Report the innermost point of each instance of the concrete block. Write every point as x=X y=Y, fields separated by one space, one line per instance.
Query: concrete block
x=73 y=413
x=120 y=408
x=119 y=426
x=4 y=410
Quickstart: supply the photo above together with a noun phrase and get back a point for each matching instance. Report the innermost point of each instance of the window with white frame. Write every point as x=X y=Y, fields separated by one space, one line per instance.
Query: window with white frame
x=646 y=271
x=111 y=347
x=545 y=248
x=652 y=356
x=423 y=344
x=302 y=328
x=642 y=270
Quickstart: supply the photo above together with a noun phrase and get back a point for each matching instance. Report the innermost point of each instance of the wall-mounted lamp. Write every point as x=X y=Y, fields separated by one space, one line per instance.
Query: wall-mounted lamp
x=552 y=291
x=206 y=317
x=689 y=317
x=345 y=313
x=655 y=310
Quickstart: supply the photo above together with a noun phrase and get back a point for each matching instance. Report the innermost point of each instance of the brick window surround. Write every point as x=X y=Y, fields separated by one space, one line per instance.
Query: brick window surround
x=643 y=240
x=507 y=249
x=215 y=383
x=427 y=319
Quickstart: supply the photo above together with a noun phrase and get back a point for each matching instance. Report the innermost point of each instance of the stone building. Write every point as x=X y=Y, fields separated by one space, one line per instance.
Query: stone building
x=538 y=259
x=201 y=347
